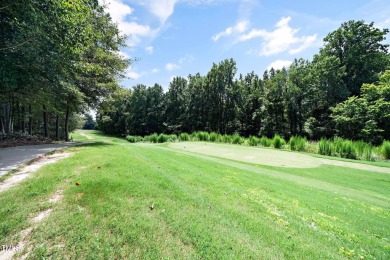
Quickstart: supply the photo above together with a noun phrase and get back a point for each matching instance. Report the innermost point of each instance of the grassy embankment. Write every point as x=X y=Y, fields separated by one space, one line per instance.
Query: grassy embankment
x=203 y=207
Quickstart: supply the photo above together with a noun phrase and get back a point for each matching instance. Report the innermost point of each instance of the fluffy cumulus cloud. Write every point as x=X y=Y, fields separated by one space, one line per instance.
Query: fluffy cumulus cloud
x=279 y=64
x=162 y=9
x=120 y=11
x=237 y=29
x=283 y=38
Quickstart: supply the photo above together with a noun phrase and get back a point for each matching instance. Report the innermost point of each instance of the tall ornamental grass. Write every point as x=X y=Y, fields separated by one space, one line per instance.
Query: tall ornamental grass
x=278 y=141
x=385 y=149
x=297 y=143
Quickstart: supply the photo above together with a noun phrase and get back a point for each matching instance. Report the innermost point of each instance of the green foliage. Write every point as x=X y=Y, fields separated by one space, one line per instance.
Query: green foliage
x=153 y=138
x=172 y=138
x=214 y=137
x=184 y=137
x=227 y=138
x=253 y=141
x=162 y=138
x=278 y=141
x=385 y=149
x=237 y=139
x=297 y=143
x=265 y=141
x=325 y=147
x=202 y=136
x=134 y=139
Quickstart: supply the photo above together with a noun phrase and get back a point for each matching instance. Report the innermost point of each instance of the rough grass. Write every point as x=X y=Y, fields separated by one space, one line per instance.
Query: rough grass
x=203 y=207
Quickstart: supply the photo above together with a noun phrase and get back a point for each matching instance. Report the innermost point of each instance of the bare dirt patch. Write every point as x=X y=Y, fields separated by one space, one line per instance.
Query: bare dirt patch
x=26 y=171
x=264 y=156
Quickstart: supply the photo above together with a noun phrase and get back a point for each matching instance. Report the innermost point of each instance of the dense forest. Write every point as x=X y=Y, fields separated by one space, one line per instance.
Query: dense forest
x=344 y=91
x=58 y=59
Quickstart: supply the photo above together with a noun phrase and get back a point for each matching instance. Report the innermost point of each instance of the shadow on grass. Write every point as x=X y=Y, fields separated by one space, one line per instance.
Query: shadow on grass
x=95 y=144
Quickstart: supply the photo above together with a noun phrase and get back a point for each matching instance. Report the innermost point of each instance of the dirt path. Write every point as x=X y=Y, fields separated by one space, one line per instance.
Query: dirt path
x=265 y=156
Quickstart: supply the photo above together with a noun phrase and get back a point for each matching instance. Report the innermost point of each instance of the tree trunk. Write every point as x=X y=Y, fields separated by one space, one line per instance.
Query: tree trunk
x=67 y=123
x=23 y=126
x=58 y=127
x=45 y=122
x=30 y=120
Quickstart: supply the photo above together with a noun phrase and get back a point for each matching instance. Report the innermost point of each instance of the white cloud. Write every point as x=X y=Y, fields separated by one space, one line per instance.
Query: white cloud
x=133 y=75
x=279 y=64
x=172 y=66
x=281 y=39
x=119 y=11
x=155 y=70
x=239 y=28
x=149 y=49
x=162 y=9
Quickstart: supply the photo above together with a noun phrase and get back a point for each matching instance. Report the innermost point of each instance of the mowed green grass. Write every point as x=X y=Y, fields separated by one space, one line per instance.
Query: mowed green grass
x=204 y=207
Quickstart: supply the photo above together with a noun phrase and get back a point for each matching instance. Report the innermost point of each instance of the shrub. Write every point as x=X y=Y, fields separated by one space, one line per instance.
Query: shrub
x=202 y=136
x=278 y=141
x=253 y=141
x=385 y=149
x=325 y=147
x=227 y=138
x=214 y=137
x=162 y=138
x=134 y=138
x=297 y=143
x=151 y=138
x=184 y=137
x=237 y=139
x=265 y=142
x=346 y=149
x=172 y=138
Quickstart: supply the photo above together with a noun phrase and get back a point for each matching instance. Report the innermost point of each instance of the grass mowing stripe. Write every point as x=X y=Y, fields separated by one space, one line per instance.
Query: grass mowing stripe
x=342 y=202
x=368 y=196
x=203 y=208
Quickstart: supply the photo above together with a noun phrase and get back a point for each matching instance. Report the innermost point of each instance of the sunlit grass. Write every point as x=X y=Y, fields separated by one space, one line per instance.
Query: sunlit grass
x=202 y=207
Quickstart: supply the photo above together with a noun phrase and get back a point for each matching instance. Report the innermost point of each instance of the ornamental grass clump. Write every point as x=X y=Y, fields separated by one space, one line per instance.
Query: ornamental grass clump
x=134 y=138
x=172 y=138
x=202 y=136
x=278 y=141
x=184 y=137
x=385 y=149
x=325 y=147
x=297 y=143
x=227 y=139
x=253 y=141
x=265 y=141
x=162 y=138
x=214 y=137
x=237 y=139
x=151 y=138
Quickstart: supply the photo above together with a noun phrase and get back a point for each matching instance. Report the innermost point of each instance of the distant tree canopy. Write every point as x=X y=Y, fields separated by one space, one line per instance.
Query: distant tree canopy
x=337 y=93
x=58 y=58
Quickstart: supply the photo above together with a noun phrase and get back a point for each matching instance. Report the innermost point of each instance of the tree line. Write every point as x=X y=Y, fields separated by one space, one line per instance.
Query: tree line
x=58 y=58
x=343 y=91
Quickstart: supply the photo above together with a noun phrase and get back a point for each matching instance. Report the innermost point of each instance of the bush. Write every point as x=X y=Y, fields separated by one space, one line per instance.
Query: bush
x=278 y=141
x=297 y=143
x=172 y=138
x=385 y=149
x=265 y=142
x=151 y=138
x=325 y=147
x=134 y=138
x=184 y=137
x=214 y=137
x=202 y=136
x=162 y=138
x=253 y=141
x=237 y=139
x=227 y=138
x=344 y=148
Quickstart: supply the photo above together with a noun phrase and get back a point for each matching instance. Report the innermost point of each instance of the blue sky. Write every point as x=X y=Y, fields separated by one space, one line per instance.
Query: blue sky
x=181 y=37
